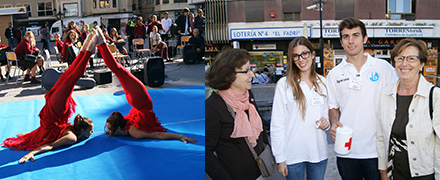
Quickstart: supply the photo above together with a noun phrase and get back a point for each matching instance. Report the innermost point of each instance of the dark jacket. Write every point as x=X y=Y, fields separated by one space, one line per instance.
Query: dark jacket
x=199 y=23
x=181 y=23
x=8 y=32
x=234 y=160
x=198 y=42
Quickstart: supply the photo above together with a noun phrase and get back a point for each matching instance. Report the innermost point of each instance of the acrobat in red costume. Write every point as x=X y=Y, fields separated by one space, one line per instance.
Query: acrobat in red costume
x=55 y=130
x=141 y=122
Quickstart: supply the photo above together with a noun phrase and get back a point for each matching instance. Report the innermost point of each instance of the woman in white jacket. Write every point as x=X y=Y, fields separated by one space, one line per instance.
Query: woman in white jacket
x=408 y=141
x=299 y=116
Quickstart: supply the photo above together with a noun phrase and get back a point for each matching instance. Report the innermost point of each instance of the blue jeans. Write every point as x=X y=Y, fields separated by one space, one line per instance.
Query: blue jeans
x=315 y=171
x=358 y=169
x=11 y=42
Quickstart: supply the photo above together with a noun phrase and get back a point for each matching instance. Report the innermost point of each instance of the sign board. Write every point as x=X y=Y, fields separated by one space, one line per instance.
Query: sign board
x=403 y=32
x=265 y=46
x=431 y=65
x=268 y=33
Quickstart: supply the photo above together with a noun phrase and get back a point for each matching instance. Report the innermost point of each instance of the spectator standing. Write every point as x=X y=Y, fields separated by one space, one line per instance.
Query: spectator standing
x=10 y=34
x=166 y=26
x=199 y=21
x=130 y=32
x=354 y=89
x=153 y=23
x=139 y=30
x=191 y=22
x=44 y=32
x=3 y=59
x=183 y=25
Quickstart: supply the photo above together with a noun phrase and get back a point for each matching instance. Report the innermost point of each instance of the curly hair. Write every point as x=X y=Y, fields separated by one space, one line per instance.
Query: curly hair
x=222 y=73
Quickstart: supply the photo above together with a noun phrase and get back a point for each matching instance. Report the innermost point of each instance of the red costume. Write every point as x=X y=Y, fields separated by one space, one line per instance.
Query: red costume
x=59 y=44
x=84 y=35
x=56 y=112
x=140 y=30
x=141 y=114
x=5 y=47
x=24 y=48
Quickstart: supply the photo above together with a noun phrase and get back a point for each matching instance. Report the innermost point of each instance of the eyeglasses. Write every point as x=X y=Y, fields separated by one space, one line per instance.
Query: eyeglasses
x=246 y=72
x=304 y=55
x=410 y=59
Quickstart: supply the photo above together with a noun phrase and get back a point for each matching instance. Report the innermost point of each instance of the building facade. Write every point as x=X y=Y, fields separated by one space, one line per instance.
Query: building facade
x=267 y=26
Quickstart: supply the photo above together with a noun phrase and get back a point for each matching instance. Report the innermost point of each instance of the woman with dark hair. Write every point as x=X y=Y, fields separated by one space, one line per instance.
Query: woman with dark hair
x=408 y=141
x=232 y=118
x=141 y=122
x=300 y=116
x=71 y=40
x=55 y=130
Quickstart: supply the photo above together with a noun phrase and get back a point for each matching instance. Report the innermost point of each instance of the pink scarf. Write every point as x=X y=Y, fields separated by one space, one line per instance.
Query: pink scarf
x=243 y=126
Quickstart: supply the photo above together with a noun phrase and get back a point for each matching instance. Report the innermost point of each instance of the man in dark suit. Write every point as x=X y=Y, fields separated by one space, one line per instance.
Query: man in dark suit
x=10 y=34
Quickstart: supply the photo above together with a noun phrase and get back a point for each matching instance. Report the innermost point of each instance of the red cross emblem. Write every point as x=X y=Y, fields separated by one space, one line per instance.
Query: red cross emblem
x=348 y=144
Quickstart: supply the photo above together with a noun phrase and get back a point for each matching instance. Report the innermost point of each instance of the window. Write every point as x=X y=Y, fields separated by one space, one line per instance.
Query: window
x=104 y=3
x=180 y=1
x=166 y=1
x=253 y=11
x=28 y=8
x=71 y=9
x=398 y=9
x=45 y=9
x=288 y=17
x=6 y=6
x=157 y=2
x=297 y=16
x=114 y=3
x=94 y=4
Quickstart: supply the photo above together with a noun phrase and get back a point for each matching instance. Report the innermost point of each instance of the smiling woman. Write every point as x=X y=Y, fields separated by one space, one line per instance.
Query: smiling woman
x=232 y=119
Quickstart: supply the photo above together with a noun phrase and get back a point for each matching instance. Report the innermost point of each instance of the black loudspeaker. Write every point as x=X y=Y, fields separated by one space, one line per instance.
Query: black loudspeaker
x=189 y=54
x=102 y=76
x=154 y=72
x=139 y=74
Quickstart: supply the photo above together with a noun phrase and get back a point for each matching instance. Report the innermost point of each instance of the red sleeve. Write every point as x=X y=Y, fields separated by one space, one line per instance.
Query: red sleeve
x=79 y=32
x=119 y=37
x=110 y=40
x=5 y=47
x=22 y=49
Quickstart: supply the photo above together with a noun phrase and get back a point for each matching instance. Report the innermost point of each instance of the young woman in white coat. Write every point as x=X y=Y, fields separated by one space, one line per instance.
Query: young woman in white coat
x=300 y=116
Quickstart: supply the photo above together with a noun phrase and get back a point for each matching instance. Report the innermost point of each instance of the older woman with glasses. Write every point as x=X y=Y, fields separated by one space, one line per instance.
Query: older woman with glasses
x=232 y=119
x=408 y=139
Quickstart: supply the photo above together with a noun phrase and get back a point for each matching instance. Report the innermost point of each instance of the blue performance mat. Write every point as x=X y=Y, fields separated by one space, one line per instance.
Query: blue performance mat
x=180 y=110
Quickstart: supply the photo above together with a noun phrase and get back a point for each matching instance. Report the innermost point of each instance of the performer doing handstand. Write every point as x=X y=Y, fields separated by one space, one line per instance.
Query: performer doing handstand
x=141 y=122
x=55 y=131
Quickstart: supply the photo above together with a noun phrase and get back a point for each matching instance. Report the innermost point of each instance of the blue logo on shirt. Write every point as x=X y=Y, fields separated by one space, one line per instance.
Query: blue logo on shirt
x=374 y=76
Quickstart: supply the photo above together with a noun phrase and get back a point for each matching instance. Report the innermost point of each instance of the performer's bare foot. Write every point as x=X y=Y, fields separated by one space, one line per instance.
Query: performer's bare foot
x=22 y=134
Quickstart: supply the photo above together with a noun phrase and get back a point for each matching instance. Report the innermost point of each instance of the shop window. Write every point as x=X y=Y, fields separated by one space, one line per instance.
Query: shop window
x=71 y=9
x=6 y=6
x=45 y=9
x=28 y=8
x=400 y=9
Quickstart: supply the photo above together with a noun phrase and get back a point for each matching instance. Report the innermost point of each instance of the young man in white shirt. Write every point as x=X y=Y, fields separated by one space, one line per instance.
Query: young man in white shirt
x=354 y=89
x=166 y=25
